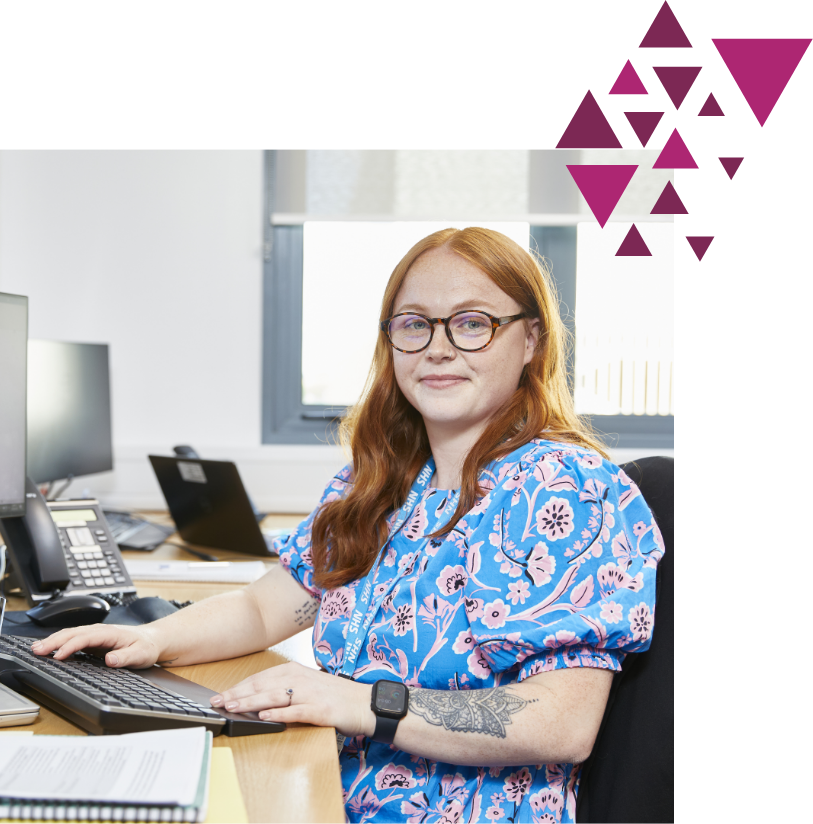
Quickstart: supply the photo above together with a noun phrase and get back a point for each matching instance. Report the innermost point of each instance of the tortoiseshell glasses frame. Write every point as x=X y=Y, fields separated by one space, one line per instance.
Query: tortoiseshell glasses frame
x=496 y=323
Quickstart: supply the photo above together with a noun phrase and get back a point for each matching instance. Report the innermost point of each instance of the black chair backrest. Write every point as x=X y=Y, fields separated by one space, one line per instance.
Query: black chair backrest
x=629 y=776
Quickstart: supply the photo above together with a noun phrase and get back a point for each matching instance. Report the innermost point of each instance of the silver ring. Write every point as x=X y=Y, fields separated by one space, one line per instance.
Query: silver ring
x=290 y=694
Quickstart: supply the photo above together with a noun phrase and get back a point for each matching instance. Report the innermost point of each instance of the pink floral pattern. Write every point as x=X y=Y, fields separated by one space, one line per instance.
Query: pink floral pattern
x=541 y=565
x=495 y=613
x=464 y=642
x=392 y=775
x=478 y=664
x=516 y=590
x=555 y=519
x=516 y=785
x=337 y=603
x=451 y=579
x=611 y=612
x=640 y=622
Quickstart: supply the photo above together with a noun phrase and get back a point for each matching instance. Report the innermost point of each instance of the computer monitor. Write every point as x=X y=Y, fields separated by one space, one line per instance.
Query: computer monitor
x=69 y=431
x=13 y=338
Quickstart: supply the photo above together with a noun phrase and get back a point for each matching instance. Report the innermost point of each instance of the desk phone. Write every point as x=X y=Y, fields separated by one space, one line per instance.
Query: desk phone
x=62 y=545
x=91 y=554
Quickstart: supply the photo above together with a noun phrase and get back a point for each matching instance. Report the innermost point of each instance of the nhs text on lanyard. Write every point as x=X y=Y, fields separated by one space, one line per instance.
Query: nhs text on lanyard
x=363 y=615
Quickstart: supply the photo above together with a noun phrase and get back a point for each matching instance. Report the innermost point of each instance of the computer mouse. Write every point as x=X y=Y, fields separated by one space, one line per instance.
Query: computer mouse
x=70 y=611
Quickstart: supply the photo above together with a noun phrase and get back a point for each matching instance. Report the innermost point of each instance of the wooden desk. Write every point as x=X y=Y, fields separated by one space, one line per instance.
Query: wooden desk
x=287 y=776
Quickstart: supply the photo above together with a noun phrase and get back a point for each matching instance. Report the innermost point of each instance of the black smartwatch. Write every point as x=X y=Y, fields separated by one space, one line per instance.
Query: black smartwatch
x=390 y=703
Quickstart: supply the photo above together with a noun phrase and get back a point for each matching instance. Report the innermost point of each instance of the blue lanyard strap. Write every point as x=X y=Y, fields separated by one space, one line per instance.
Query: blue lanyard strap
x=362 y=616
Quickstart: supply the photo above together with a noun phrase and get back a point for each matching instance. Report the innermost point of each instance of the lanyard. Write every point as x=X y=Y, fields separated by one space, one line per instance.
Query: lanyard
x=362 y=616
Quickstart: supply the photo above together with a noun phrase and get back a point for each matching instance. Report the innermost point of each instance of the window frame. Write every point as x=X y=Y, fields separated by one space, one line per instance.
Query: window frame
x=286 y=420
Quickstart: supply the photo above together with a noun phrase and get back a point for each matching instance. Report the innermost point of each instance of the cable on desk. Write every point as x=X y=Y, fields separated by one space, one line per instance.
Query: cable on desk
x=204 y=556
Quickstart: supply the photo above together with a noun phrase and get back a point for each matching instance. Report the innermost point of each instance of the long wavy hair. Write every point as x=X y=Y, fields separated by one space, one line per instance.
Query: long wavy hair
x=386 y=435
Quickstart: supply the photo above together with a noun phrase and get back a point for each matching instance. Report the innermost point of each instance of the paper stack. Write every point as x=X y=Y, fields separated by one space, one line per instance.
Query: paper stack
x=141 y=776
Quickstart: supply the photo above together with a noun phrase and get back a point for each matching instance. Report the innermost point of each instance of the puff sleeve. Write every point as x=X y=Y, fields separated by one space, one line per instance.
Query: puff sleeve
x=561 y=562
x=295 y=549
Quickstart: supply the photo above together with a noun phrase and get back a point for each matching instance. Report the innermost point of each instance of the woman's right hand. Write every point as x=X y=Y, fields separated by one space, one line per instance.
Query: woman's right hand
x=135 y=647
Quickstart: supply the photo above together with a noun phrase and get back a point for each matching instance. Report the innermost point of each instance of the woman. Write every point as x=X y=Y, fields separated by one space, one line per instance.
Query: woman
x=478 y=551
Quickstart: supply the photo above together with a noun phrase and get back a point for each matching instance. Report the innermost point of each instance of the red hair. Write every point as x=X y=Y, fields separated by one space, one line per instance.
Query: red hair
x=386 y=434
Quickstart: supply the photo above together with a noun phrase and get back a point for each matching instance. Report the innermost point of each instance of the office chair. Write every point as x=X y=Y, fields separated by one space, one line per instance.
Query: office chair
x=629 y=777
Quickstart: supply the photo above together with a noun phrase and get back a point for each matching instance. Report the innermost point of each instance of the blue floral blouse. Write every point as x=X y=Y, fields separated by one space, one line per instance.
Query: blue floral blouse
x=554 y=567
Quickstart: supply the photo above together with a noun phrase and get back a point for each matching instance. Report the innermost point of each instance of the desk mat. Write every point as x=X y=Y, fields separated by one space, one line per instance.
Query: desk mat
x=142 y=611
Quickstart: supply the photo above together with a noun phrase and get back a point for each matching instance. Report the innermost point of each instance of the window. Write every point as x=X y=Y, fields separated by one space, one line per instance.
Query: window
x=348 y=264
x=624 y=335
x=337 y=223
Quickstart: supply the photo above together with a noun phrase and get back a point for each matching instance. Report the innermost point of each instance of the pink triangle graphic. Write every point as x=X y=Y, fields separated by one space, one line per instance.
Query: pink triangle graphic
x=628 y=82
x=633 y=245
x=677 y=80
x=669 y=203
x=761 y=68
x=699 y=244
x=644 y=123
x=589 y=129
x=711 y=108
x=675 y=155
x=665 y=32
x=731 y=164
x=602 y=186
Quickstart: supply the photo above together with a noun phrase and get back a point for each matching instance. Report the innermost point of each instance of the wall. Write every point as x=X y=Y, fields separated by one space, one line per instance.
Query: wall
x=158 y=254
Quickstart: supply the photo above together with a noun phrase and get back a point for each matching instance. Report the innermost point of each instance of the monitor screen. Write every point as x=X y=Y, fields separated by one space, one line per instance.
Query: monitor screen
x=13 y=337
x=69 y=431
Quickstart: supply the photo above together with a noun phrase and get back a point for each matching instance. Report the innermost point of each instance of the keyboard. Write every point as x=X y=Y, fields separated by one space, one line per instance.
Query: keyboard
x=135 y=533
x=102 y=699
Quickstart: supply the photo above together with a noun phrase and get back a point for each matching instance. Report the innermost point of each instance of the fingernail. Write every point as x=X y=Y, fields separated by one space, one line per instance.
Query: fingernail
x=216 y=700
x=114 y=661
x=36 y=645
x=231 y=705
x=264 y=715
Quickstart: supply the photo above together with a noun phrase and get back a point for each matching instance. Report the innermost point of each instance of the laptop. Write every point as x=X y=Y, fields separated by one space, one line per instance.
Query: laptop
x=209 y=504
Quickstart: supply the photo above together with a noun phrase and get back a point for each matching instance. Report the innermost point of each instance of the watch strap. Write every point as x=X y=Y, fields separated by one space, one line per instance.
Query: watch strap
x=385 y=729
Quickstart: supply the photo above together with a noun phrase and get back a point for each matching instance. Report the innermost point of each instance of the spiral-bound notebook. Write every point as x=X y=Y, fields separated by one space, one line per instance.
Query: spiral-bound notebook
x=145 y=776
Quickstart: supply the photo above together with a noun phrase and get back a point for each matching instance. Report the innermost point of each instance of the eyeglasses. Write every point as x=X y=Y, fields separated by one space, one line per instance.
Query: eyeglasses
x=468 y=330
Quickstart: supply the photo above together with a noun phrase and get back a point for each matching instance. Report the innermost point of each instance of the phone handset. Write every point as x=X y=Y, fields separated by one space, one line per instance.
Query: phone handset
x=34 y=546
x=48 y=558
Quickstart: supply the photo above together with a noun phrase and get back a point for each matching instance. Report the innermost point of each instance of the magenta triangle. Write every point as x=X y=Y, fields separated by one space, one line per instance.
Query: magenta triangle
x=711 y=108
x=731 y=164
x=699 y=245
x=633 y=245
x=669 y=203
x=602 y=186
x=644 y=123
x=761 y=69
x=675 y=155
x=665 y=32
x=589 y=129
x=677 y=80
x=628 y=82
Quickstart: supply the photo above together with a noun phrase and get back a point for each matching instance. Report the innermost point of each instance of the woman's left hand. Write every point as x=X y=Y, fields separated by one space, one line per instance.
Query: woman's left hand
x=291 y=692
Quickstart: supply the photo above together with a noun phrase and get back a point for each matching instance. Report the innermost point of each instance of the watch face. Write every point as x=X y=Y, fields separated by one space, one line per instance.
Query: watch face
x=390 y=697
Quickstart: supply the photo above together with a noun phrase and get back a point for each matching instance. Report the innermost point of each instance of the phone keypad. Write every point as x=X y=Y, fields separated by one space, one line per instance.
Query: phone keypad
x=92 y=557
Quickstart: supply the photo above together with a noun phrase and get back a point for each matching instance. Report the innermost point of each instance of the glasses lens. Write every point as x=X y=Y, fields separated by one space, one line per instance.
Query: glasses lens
x=410 y=332
x=470 y=330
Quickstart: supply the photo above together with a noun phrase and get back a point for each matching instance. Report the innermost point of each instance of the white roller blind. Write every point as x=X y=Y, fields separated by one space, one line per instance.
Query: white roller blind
x=482 y=185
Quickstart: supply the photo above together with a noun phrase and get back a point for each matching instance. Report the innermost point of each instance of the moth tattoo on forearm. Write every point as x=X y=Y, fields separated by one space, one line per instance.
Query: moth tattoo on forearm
x=487 y=711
